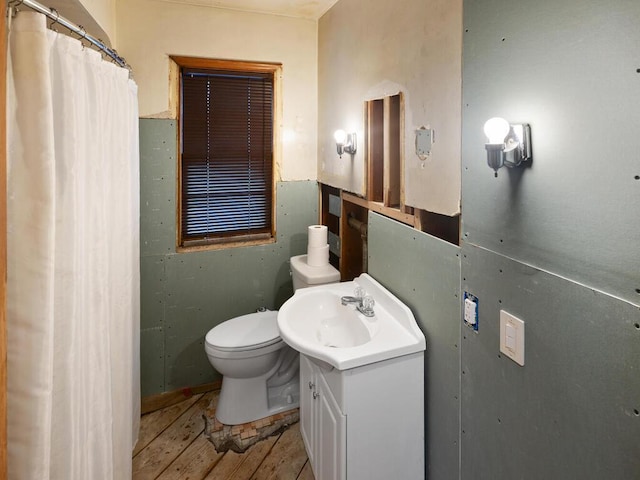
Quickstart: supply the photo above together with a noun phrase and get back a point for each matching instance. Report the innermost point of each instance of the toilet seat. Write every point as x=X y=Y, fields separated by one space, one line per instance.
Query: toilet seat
x=248 y=335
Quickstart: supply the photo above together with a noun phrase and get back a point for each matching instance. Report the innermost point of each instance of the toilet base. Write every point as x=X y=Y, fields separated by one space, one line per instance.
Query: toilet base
x=244 y=400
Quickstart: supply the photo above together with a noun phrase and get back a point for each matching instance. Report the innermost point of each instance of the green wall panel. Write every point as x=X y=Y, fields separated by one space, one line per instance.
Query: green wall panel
x=152 y=361
x=554 y=243
x=424 y=272
x=571 y=411
x=153 y=296
x=569 y=69
x=183 y=295
x=157 y=186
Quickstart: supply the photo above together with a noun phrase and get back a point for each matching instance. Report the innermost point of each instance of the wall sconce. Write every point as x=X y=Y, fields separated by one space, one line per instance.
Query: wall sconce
x=345 y=142
x=508 y=145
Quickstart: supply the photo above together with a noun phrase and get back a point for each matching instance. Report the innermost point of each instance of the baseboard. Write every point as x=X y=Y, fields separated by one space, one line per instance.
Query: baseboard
x=161 y=400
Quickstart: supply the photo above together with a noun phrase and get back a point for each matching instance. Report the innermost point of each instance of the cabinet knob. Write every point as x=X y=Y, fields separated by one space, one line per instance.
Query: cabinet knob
x=311 y=385
x=315 y=395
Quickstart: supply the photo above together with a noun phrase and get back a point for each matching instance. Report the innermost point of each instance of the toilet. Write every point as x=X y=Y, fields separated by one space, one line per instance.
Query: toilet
x=259 y=371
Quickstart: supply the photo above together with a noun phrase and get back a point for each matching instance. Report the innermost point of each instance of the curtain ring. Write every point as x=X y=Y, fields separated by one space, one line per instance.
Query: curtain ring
x=12 y=7
x=101 y=51
x=55 y=20
x=84 y=35
x=12 y=10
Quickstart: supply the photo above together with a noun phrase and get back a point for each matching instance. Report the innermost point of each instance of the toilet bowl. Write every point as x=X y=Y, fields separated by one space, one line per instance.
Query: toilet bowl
x=259 y=371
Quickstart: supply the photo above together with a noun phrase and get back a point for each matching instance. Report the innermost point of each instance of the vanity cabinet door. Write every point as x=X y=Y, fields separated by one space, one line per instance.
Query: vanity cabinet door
x=322 y=424
x=330 y=455
x=307 y=405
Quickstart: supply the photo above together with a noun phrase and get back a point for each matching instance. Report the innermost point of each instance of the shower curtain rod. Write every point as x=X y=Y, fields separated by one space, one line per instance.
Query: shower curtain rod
x=77 y=29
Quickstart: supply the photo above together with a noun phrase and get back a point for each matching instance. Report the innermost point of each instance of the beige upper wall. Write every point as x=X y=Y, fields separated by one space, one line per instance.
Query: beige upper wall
x=97 y=17
x=150 y=31
x=372 y=48
x=104 y=13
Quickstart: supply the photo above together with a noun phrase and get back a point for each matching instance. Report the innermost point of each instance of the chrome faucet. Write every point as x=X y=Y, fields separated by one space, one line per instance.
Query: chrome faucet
x=364 y=303
x=347 y=300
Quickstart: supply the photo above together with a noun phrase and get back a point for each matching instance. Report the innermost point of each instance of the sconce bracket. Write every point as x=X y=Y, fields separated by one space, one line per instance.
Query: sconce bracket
x=424 y=140
x=517 y=145
x=351 y=144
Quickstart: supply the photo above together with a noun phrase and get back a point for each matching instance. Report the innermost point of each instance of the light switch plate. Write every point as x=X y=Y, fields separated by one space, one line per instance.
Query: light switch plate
x=512 y=337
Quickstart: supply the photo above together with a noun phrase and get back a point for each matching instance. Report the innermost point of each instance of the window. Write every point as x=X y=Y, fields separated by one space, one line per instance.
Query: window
x=226 y=165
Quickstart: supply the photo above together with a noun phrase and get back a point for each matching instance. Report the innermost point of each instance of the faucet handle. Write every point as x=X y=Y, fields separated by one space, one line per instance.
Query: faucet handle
x=359 y=293
x=368 y=302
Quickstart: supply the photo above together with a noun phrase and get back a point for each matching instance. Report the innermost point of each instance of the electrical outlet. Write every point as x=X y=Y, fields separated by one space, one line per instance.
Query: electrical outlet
x=470 y=311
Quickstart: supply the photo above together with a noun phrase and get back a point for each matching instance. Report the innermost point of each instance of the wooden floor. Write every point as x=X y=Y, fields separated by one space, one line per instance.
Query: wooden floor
x=172 y=445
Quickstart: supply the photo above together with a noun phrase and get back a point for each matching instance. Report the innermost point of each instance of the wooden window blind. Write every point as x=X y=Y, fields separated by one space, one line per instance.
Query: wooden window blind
x=227 y=155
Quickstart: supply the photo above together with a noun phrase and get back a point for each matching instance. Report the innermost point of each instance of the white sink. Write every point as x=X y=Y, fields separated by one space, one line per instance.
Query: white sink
x=314 y=322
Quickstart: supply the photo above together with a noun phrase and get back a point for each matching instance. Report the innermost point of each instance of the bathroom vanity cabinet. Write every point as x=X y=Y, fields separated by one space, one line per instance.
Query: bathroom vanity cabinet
x=322 y=423
x=366 y=422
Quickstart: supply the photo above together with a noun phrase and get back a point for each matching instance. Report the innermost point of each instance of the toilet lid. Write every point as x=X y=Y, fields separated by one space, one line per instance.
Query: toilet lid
x=254 y=330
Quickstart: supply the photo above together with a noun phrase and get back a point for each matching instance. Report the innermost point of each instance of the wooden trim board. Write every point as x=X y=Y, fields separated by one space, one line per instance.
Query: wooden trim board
x=380 y=208
x=3 y=242
x=156 y=402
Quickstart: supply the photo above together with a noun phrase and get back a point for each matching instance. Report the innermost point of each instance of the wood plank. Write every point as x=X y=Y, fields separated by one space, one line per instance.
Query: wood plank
x=441 y=226
x=153 y=424
x=218 y=64
x=286 y=459
x=401 y=151
x=158 y=455
x=386 y=153
x=174 y=90
x=195 y=462
x=162 y=400
x=307 y=472
x=375 y=150
x=265 y=239
x=380 y=208
x=392 y=158
x=352 y=261
x=3 y=242
x=236 y=466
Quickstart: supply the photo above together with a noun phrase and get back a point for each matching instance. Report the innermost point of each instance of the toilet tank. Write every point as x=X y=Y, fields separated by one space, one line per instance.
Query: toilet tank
x=305 y=275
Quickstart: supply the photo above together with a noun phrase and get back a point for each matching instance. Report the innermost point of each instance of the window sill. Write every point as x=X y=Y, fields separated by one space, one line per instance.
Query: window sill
x=223 y=245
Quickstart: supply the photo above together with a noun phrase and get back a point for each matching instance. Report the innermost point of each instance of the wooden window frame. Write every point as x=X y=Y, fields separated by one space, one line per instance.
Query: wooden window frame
x=176 y=64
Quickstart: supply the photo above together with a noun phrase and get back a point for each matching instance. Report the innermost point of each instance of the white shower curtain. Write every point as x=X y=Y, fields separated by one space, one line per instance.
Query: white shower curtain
x=73 y=259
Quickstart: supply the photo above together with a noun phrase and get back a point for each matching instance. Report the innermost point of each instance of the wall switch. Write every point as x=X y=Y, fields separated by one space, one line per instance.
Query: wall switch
x=470 y=311
x=512 y=337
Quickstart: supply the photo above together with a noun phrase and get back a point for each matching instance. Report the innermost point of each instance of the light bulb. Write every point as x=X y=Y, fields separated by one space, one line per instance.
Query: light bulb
x=496 y=129
x=340 y=137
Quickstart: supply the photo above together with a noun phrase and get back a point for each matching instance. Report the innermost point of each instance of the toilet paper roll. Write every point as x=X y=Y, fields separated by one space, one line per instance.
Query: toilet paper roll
x=317 y=236
x=318 y=256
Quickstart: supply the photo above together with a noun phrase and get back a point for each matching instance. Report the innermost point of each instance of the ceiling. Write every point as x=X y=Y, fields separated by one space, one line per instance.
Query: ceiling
x=311 y=9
